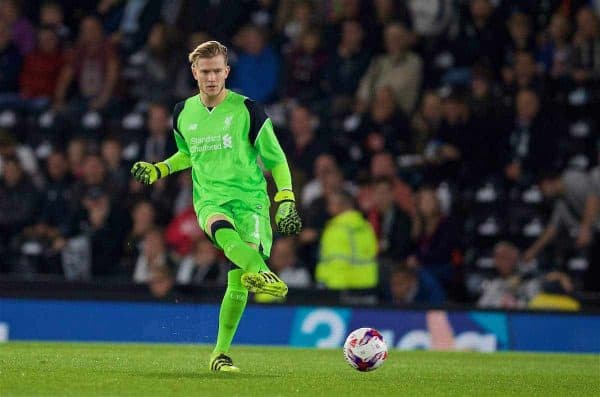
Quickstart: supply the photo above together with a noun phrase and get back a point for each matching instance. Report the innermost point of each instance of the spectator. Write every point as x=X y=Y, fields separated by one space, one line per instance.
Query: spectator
x=414 y=286
x=294 y=18
x=391 y=224
x=432 y=19
x=93 y=64
x=160 y=143
x=184 y=198
x=285 y=263
x=383 y=166
x=556 y=294
x=387 y=11
x=520 y=36
x=41 y=69
x=384 y=128
x=77 y=149
x=399 y=68
x=347 y=259
x=129 y=27
x=101 y=221
x=556 y=52
x=150 y=69
x=117 y=172
x=347 y=63
x=182 y=232
x=93 y=174
x=316 y=216
x=306 y=146
x=161 y=283
x=52 y=15
x=480 y=37
x=434 y=238
x=143 y=217
x=305 y=68
x=586 y=61
x=575 y=209
x=154 y=255
x=162 y=193
x=531 y=142
x=10 y=66
x=371 y=15
x=111 y=13
x=22 y=32
x=256 y=72
x=592 y=280
x=484 y=99
x=509 y=289
x=459 y=133
x=202 y=265
x=324 y=165
x=435 y=25
x=19 y=200
x=425 y=124
x=521 y=74
x=23 y=153
x=56 y=195
x=35 y=252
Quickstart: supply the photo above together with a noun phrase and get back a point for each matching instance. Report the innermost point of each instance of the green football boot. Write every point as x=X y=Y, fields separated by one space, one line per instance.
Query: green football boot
x=265 y=283
x=222 y=363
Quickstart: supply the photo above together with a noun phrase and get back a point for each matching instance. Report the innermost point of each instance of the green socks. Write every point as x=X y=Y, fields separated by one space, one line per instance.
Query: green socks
x=237 y=251
x=232 y=308
x=234 y=301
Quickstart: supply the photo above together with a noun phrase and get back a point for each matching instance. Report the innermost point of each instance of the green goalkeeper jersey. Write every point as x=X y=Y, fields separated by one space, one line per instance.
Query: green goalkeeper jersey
x=223 y=145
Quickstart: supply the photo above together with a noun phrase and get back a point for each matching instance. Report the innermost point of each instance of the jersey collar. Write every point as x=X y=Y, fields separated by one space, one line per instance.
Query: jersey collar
x=210 y=111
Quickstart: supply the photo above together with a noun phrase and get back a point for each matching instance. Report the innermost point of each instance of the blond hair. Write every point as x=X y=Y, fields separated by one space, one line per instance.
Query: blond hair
x=208 y=49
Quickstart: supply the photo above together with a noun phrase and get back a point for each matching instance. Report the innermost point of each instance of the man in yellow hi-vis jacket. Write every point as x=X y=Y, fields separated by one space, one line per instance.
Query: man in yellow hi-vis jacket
x=347 y=257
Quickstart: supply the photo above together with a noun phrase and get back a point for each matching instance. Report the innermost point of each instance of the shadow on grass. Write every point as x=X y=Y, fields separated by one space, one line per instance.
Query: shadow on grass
x=202 y=375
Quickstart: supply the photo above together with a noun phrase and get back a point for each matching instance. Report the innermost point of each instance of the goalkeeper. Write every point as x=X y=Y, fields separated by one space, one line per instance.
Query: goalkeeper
x=220 y=134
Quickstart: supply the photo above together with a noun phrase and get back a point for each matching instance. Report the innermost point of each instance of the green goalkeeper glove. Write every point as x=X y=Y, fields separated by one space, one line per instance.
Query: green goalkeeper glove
x=286 y=218
x=148 y=173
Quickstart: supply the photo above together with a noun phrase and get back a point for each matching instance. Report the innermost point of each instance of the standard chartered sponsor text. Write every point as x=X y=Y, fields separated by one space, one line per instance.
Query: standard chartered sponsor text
x=206 y=143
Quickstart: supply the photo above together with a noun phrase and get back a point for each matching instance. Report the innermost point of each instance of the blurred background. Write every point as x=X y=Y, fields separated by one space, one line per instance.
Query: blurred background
x=449 y=145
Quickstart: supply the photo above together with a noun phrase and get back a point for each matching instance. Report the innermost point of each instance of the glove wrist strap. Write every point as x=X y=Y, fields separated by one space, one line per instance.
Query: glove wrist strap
x=284 y=195
x=162 y=169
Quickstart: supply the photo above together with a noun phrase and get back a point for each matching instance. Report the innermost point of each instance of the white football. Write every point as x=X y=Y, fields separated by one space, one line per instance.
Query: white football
x=365 y=349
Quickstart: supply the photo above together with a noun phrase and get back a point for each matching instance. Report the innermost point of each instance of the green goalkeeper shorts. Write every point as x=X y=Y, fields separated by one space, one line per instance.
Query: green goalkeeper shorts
x=251 y=220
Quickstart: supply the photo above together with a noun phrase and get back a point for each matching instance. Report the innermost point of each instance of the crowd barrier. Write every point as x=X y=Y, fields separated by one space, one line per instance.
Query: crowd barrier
x=301 y=326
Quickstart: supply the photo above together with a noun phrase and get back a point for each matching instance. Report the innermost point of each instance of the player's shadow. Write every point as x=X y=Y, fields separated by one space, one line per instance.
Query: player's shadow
x=202 y=375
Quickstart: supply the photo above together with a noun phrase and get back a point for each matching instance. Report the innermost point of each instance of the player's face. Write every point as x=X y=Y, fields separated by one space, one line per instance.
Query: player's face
x=211 y=73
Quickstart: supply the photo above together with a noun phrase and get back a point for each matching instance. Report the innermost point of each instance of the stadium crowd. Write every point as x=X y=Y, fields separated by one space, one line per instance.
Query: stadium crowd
x=442 y=150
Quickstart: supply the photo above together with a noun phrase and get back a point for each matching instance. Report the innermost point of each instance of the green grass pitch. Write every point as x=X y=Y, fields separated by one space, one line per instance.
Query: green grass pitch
x=81 y=369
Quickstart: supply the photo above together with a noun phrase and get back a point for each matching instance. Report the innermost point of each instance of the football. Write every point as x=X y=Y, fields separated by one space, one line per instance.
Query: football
x=365 y=349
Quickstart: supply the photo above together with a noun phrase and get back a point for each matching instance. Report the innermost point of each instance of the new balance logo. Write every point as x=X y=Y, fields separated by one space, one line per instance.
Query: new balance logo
x=227 y=141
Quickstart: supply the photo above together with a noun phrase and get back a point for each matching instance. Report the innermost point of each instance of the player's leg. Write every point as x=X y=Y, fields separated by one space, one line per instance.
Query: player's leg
x=254 y=227
x=232 y=309
x=224 y=233
x=220 y=227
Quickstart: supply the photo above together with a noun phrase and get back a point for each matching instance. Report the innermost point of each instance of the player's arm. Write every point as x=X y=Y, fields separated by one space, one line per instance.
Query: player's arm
x=263 y=137
x=149 y=173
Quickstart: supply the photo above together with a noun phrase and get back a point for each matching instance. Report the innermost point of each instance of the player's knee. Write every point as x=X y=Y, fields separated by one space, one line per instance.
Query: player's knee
x=218 y=225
